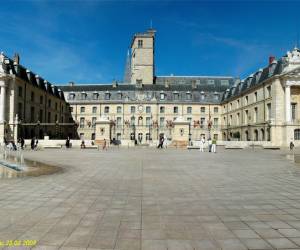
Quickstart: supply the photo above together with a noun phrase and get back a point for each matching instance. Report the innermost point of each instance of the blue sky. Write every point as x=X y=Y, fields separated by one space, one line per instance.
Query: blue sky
x=87 y=41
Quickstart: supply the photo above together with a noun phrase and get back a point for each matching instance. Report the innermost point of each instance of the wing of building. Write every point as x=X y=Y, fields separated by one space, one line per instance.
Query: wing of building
x=146 y=107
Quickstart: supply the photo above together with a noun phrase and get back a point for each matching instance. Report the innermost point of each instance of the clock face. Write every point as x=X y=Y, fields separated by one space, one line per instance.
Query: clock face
x=140 y=108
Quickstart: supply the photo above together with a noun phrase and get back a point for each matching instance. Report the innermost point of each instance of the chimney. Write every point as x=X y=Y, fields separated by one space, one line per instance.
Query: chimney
x=28 y=74
x=115 y=84
x=16 y=66
x=38 y=80
x=271 y=59
x=71 y=84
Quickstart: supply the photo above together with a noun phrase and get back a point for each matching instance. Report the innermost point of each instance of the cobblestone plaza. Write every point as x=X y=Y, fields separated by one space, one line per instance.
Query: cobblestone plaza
x=149 y=199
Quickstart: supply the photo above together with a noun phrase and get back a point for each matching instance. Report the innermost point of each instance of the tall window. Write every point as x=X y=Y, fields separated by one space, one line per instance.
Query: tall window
x=82 y=109
x=269 y=111
x=216 y=109
x=49 y=103
x=237 y=103
x=246 y=100
x=246 y=116
x=106 y=109
x=107 y=96
x=41 y=115
x=176 y=96
x=94 y=110
x=32 y=114
x=20 y=110
x=41 y=99
x=119 y=109
x=175 y=110
x=162 y=110
x=140 y=43
x=216 y=122
x=49 y=117
x=148 y=121
x=202 y=109
x=268 y=91
x=188 y=96
x=119 y=121
x=189 y=110
x=81 y=124
x=32 y=96
x=255 y=97
x=148 y=109
x=294 y=111
x=297 y=134
x=132 y=120
x=202 y=122
x=95 y=96
x=94 y=119
x=238 y=119
x=132 y=109
x=162 y=96
x=161 y=121
x=255 y=114
x=20 y=92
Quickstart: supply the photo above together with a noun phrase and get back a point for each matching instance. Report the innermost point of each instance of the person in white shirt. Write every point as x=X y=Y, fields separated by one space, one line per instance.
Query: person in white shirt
x=202 y=142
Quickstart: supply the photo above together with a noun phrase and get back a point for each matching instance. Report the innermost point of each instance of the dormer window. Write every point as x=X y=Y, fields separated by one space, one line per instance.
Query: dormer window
x=95 y=95
x=202 y=95
x=162 y=96
x=83 y=95
x=224 y=82
x=119 y=95
x=216 y=95
x=71 y=96
x=188 y=96
x=210 y=82
x=140 y=43
x=107 y=96
x=139 y=82
x=176 y=96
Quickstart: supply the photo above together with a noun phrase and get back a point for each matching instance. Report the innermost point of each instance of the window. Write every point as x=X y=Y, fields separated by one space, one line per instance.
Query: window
x=216 y=122
x=246 y=116
x=71 y=109
x=161 y=110
x=132 y=120
x=202 y=109
x=81 y=136
x=189 y=110
x=81 y=124
x=94 y=119
x=216 y=110
x=255 y=114
x=202 y=122
x=255 y=97
x=162 y=96
x=230 y=106
x=83 y=95
x=147 y=121
x=20 y=109
x=20 y=92
x=238 y=103
x=32 y=97
x=139 y=82
x=238 y=119
x=95 y=96
x=94 y=110
x=230 y=120
x=119 y=121
x=161 y=121
x=120 y=95
x=189 y=119
x=176 y=96
x=210 y=82
x=56 y=106
x=246 y=100
x=49 y=117
x=55 y=118
x=49 y=103
x=93 y=137
x=107 y=96
x=140 y=43
x=293 y=108
x=106 y=109
x=41 y=99
x=71 y=96
x=132 y=109
x=119 y=109
x=175 y=110
x=268 y=91
x=148 y=109
x=269 y=111
x=82 y=109
x=297 y=134
x=41 y=115
x=188 y=96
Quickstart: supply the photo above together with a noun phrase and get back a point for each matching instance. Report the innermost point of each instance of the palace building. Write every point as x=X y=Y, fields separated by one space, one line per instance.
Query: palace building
x=262 y=109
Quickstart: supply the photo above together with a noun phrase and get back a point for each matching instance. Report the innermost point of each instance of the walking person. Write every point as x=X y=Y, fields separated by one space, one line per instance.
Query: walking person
x=36 y=144
x=202 y=142
x=214 y=146
x=209 y=144
x=161 y=142
x=68 y=142
x=104 y=145
x=292 y=145
x=22 y=142
x=32 y=143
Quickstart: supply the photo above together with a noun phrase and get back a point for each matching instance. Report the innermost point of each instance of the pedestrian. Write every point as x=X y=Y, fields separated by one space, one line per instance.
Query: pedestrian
x=36 y=144
x=68 y=142
x=104 y=145
x=161 y=142
x=292 y=145
x=22 y=142
x=202 y=142
x=209 y=144
x=82 y=144
x=214 y=146
x=32 y=143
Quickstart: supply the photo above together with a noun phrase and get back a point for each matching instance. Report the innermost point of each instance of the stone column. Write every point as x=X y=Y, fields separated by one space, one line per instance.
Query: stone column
x=2 y=101
x=288 y=103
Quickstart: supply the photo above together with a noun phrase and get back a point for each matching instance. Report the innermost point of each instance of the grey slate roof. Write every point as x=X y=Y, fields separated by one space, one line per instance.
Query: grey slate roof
x=11 y=68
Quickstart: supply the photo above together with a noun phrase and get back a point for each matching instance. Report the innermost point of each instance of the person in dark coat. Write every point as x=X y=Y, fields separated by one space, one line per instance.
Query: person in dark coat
x=32 y=143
